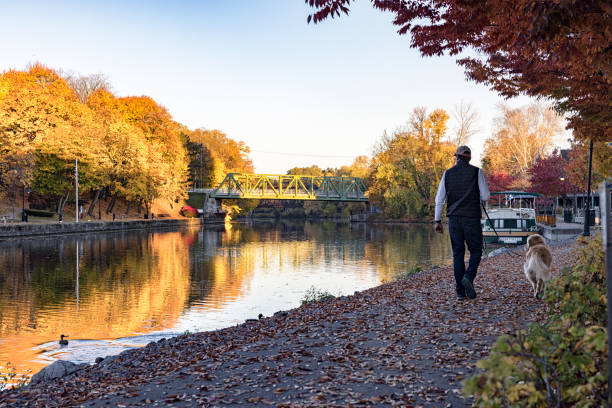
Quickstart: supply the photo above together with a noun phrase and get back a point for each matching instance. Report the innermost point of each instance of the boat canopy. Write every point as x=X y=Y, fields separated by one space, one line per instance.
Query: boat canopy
x=514 y=199
x=517 y=194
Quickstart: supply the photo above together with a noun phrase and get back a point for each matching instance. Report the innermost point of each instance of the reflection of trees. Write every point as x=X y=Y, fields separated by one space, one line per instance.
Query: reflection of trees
x=221 y=268
x=396 y=248
x=139 y=282
x=224 y=261
x=128 y=283
x=225 y=271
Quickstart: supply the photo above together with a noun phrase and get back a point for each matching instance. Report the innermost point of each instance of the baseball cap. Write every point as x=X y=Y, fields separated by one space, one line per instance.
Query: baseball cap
x=463 y=151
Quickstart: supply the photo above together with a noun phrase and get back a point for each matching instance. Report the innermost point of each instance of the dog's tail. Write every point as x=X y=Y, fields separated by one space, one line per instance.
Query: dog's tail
x=537 y=265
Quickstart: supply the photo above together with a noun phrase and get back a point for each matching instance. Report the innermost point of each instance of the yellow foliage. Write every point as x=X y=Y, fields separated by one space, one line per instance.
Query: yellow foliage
x=521 y=136
x=407 y=167
x=129 y=145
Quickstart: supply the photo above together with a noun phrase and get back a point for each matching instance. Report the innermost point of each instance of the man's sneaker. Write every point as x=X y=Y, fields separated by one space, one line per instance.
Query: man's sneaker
x=460 y=297
x=469 y=288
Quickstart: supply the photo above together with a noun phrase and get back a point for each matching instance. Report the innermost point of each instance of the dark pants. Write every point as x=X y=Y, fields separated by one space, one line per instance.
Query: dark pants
x=465 y=230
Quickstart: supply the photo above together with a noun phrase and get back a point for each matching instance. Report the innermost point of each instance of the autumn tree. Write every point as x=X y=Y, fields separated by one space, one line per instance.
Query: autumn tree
x=313 y=170
x=360 y=167
x=407 y=166
x=32 y=104
x=212 y=155
x=554 y=49
x=42 y=119
x=228 y=155
x=546 y=176
x=130 y=147
x=86 y=85
x=201 y=162
x=499 y=181
x=521 y=136
x=167 y=160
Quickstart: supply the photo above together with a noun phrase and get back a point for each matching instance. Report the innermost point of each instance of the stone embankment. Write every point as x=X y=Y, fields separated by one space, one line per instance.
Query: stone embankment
x=54 y=228
x=407 y=343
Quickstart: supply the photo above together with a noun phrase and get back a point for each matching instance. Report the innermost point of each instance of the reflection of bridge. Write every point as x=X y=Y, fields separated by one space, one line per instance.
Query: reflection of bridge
x=290 y=187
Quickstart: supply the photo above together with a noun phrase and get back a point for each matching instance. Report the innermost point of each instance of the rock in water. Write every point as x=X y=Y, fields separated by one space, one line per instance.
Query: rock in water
x=56 y=370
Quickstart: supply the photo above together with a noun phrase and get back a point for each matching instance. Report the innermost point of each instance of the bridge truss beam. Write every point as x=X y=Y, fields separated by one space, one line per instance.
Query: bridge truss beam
x=290 y=187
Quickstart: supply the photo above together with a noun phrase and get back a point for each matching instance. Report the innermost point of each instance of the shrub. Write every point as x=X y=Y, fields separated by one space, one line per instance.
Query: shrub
x=563 y=361
x=188 y=211
x=316 y=295
x=10 y=378
x=38 y=213
x=406 y=273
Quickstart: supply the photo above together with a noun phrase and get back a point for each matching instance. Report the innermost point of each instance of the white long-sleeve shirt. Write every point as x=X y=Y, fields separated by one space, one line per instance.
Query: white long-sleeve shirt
x=441 y=195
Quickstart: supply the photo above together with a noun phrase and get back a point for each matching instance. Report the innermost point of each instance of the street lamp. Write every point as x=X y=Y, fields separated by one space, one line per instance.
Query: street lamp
x=24 y=216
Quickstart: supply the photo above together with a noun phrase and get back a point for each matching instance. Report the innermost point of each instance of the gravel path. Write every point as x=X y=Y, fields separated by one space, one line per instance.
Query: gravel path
x=407 y=343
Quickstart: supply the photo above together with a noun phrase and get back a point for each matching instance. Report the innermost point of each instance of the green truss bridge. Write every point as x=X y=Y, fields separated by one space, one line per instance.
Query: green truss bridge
x=290 y=187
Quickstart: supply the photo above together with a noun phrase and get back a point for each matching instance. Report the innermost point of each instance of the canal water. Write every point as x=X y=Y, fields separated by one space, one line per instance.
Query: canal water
x=113 y=291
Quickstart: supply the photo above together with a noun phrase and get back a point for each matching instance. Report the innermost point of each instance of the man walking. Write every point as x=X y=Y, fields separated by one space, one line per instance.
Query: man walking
x=463 y=187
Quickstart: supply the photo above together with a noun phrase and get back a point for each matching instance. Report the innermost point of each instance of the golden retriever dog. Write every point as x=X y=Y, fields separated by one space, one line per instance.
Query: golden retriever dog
x=537 y=264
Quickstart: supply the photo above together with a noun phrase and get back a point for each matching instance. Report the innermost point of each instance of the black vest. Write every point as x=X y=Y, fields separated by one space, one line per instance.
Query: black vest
x=462 y=192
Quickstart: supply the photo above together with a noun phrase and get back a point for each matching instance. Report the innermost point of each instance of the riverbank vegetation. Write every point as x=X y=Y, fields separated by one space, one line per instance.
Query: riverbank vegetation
x=128 y=148
x=132 y=154
x=314 y=294
x=403 y=173
x=561 y=362
x=11 y=379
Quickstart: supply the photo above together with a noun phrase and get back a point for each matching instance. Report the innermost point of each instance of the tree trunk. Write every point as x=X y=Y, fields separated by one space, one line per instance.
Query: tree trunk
x=62 y=203
x=127 y=210
x=92 y=206
x=139 y=206
x=110 y=207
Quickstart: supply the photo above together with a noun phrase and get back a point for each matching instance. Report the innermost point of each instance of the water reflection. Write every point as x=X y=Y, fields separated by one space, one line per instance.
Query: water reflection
x=112 y=291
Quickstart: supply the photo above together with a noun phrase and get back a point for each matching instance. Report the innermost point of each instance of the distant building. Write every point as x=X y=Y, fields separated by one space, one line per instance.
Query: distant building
x=574 y=204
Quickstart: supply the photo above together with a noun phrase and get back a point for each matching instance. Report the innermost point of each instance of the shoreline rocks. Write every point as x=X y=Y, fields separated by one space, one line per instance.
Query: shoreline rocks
x=58 y=369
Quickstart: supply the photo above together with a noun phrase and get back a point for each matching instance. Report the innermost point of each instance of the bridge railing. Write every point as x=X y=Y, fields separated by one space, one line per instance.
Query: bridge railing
x=291 y=187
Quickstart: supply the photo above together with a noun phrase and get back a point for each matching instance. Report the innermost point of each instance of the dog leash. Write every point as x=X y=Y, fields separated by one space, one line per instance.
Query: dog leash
x=494 y=230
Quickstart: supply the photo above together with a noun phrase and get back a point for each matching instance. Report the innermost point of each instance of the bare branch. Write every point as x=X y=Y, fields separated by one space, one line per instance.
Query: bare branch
x=466 y=117
x=84 y=85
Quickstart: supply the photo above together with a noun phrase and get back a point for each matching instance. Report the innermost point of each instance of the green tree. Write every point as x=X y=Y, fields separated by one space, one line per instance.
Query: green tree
x=313 y=170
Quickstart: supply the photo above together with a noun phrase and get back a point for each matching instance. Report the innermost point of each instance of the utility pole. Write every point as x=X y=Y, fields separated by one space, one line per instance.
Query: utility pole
x=606 y=223
x=587 y=207
x=76 y=183
x=77 y=274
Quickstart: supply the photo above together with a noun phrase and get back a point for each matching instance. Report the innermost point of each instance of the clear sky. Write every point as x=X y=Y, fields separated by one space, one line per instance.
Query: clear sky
x=297 y=94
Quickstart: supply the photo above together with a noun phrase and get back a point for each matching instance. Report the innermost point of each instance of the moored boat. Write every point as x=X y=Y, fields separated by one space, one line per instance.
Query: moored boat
x=512 y=220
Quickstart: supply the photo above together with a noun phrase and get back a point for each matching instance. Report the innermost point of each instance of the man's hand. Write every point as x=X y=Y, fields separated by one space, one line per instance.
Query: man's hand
x=439 y=229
